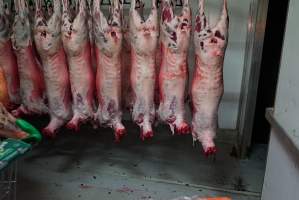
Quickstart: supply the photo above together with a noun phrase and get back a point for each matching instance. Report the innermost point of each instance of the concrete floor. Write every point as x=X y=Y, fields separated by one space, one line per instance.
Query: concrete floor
x=89 y=165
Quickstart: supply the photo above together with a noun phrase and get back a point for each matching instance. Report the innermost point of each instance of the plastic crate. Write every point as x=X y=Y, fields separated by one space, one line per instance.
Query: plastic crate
x=8 y=182
x=10 y=151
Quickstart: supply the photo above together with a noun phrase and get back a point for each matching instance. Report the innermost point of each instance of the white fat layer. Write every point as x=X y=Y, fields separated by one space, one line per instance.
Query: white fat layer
x=29 y=70
x=207 y=86
x=27 y=81
x=143 y=34
x=109 y=89
x=173 y=73
x=76 y=42
x=108 y=42
x=49 y=47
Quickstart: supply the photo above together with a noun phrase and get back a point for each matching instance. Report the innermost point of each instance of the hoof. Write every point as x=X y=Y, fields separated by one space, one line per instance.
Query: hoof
x=119 y=133
x=146 y=135
x=49 y=133
x=210 y=151
x=184 y=129
x=73 y=126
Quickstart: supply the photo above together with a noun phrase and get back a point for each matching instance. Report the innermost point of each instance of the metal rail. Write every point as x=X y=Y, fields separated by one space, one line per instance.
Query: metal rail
x=8 y=183
x=253 y=57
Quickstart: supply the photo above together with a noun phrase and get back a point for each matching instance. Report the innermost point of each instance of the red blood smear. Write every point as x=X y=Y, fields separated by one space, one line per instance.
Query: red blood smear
x=166 y=15
x=83 y=186
x=113 y=34
x=210 y=151
x=218 y=34
x=198 y=27
x=173 y=36
x=146 y=135
x=213 y=40
x=119 y=134
x=125 y=190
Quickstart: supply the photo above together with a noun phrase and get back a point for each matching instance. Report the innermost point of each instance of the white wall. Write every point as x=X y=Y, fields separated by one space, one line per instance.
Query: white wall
x=287 y=101
x=282 y=171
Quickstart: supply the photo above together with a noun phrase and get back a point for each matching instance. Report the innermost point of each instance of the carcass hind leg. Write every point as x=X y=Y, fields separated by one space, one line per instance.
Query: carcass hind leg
x=146 y=130
x=182 y=128
x=74 y=123
x=52 y=128
x=119 y=131
x=208 y=144
x=179 y=126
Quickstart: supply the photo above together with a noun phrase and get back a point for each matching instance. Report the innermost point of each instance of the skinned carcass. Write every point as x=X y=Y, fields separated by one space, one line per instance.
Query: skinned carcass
x=108 y=42
x=76 y=42
x=173 y=75
x=47 y=35
x=32 y=86
x=143 y=40
x=207 y=85
x=127 y=96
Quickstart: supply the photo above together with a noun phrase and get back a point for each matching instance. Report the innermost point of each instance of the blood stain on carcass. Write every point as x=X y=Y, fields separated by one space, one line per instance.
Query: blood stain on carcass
x=219 y=35
x=166 y=16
